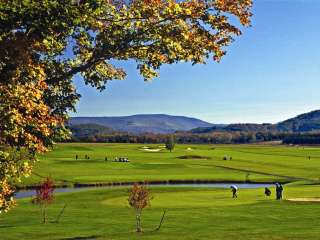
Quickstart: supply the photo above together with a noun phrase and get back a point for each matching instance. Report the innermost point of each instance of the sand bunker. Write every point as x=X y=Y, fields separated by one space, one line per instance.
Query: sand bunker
x=315 y=200
x=152 y=150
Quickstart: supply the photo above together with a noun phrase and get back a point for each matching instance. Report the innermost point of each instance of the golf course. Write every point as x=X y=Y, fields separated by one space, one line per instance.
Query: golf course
x=191 y=212
x=251 y=163
x=159 y=120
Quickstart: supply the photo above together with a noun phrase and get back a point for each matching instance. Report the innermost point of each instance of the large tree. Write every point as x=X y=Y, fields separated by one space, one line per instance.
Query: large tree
x=170 y=143
x=45 y=43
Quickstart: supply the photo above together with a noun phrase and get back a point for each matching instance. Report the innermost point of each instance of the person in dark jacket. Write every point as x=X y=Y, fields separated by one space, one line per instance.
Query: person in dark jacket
x=267 y=192
x=279 y=190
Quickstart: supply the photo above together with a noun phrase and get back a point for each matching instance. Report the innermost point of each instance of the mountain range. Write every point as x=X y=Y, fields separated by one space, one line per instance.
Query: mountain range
x=164 y=124
x=153 y=123
x=303 y=123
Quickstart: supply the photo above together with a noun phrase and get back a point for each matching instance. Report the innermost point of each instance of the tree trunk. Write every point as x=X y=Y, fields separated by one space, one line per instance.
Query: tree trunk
x=138 y=220
x=44 y=214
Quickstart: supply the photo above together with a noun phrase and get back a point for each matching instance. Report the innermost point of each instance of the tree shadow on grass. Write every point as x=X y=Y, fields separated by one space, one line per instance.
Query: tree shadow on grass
x=16 y=225
x=93 y=237
x=7 y=226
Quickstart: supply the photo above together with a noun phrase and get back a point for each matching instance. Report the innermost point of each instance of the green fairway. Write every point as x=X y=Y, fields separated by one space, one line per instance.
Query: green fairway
x=147 y=162
x=191 y=214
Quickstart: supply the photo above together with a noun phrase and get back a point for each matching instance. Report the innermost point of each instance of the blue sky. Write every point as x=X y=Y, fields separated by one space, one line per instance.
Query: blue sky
x=270 y=73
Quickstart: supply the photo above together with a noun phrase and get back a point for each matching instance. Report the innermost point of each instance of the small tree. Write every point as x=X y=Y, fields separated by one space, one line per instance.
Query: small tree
x=170 y=143
x=139 y=198
x=44 y=197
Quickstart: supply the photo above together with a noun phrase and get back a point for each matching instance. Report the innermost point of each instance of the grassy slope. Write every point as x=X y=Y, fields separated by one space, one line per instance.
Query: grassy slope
x=192 y=214
x=270 y=160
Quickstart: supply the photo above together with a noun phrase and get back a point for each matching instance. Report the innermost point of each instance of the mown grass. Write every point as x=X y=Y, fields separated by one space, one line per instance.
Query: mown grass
x=263 y=163
x=191 y=214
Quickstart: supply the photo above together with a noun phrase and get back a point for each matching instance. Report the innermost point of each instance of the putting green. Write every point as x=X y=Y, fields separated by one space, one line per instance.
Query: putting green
x=200 y=214
x=193 y=198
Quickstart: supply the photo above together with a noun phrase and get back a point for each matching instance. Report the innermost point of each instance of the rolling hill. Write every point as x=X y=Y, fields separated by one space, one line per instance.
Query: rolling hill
x=155 y=123
x=306 y=122
x=88 y=130
x=164 y=124
x=303 y=123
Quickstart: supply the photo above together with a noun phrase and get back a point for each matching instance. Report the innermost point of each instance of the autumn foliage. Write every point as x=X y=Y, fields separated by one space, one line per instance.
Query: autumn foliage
x=6 y=196
x=139 y=198
x=44 y=197
x=44 y=44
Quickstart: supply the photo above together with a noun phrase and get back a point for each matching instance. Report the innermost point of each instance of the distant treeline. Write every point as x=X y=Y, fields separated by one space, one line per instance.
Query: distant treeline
x=97 y=133
x=210 y=138
x=302 y=139
x=213 y=138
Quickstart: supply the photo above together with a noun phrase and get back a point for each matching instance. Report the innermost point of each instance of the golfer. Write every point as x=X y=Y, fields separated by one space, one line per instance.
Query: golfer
x=234 y=190
x=279 y=190
x=267 y=192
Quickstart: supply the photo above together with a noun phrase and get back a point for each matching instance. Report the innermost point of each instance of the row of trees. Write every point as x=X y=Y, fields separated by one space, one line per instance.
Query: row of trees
x=184 y=137
x=302 y=139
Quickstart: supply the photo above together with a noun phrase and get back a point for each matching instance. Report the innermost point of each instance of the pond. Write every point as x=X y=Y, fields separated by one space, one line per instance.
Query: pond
x=30 y=193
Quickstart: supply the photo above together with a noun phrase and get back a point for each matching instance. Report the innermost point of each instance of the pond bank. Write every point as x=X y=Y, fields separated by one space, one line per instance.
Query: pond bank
x=152 y=182
x=32 y=192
